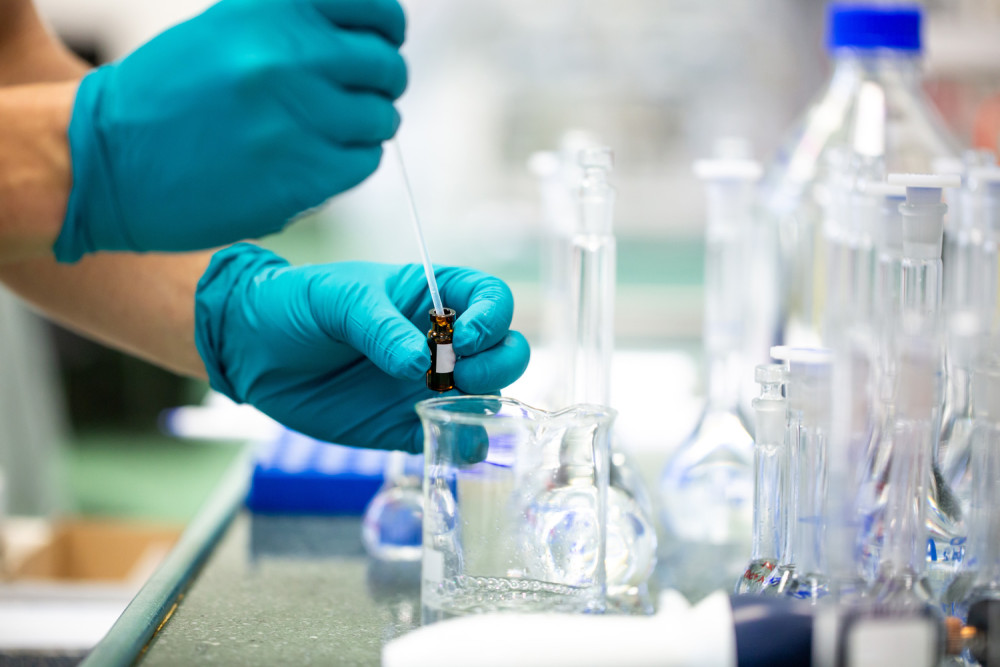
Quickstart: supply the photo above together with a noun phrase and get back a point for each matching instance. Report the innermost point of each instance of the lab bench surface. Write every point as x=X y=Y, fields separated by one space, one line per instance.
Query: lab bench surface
x=289 y=590
x=248 y=589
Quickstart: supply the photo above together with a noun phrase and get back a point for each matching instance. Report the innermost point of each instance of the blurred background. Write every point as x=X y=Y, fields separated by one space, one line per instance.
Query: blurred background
x=491 y=82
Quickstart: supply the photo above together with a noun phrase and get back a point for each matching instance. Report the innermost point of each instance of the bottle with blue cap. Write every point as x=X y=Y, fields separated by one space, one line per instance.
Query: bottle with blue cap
x=876 y=54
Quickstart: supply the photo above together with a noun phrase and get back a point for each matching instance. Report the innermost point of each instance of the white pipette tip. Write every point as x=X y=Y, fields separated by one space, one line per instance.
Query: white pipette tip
x=424 y=255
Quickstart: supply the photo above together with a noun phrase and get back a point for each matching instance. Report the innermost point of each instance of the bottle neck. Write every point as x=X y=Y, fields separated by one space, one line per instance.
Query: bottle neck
x=872 y=64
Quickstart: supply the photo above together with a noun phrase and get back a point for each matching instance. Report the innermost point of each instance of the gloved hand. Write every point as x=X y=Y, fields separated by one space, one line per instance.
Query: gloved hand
x=227 y=126
x=339 y=351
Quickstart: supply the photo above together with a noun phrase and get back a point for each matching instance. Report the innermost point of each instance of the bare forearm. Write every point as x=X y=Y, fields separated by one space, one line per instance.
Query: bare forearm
x=34 y=167
x=38 y=80
x=142 y=304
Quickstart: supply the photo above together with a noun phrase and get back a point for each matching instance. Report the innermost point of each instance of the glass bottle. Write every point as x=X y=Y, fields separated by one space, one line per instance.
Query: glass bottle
x=706 y=487
x=769 y=471
x=441 y=374
x=871 y=44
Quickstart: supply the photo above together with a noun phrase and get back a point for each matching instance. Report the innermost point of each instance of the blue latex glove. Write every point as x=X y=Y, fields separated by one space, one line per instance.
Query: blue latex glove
x=339 y=351
x=227 y=126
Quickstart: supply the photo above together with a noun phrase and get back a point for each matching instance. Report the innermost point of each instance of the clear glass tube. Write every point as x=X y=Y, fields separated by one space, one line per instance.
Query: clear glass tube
x=810 y=393
x=769 y=470
x=631 y=536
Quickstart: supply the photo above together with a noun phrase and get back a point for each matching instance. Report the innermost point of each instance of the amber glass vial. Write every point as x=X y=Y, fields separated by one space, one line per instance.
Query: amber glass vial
x=441 y=375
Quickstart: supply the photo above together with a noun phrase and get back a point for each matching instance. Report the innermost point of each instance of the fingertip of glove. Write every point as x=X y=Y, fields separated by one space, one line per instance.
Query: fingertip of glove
x=495 y=368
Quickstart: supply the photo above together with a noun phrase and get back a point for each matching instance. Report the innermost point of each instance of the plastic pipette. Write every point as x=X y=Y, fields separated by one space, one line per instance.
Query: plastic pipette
x=424 y=256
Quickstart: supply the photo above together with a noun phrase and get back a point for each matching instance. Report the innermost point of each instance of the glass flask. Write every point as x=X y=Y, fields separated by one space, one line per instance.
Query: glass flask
x=877 y=45
x=901 y=579
x=515 y=505
x=392 y=523
x=979 y=573
x=706 y=488
x=885 y=322
x=632 y=543
x=810 y=390
x=970 y=299
x=770 y=458
x=922 y=273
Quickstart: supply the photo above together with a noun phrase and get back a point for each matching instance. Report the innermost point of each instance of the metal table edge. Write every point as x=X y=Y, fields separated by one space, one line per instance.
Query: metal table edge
x=150 y=609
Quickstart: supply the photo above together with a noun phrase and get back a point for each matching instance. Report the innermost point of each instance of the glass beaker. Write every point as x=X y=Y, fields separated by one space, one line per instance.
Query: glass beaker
x=515 y=506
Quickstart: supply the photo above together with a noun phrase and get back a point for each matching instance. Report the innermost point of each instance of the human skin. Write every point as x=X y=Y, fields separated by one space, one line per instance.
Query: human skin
x=142 y=304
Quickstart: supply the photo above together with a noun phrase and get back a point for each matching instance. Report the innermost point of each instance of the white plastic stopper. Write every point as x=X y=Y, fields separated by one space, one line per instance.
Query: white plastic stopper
x=923 y=212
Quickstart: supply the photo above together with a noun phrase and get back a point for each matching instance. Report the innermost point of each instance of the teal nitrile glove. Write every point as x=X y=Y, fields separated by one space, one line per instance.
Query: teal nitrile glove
x=227 y=126
x=339 y=351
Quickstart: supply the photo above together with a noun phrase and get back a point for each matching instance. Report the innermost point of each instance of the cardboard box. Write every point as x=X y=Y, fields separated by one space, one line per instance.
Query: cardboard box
x=86 y=550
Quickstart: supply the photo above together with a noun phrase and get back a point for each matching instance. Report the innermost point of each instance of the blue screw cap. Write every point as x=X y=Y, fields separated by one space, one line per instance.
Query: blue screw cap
x=870 y=26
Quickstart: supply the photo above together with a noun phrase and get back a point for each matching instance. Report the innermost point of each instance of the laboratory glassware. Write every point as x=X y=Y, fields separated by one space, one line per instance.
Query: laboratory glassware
x=515 y=506
x=923 y=228
x=781 y=576
x=852 y=423
x=979 y=575
x=810 y=389
x=706 y=487
x=558 y=174
x=631 y=535
x=770 y=458
x=900 y=580
x=971 y=303
x=887 y=302
x=391 y=526
x=868 y=43
x=441 y=374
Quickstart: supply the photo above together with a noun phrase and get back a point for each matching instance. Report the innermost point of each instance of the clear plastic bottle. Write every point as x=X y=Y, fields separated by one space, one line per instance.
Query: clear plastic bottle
x=770 y=457
x=878 y=45
x=706 y=487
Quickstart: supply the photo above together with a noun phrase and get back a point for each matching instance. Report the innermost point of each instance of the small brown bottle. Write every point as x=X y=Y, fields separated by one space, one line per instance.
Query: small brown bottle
x=441 y=375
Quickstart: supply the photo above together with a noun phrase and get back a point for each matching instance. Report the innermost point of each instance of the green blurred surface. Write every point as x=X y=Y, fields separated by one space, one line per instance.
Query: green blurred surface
x=143 y=475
